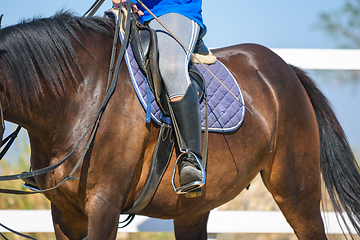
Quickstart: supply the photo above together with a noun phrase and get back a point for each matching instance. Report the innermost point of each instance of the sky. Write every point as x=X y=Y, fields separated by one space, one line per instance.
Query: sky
x=274 y=24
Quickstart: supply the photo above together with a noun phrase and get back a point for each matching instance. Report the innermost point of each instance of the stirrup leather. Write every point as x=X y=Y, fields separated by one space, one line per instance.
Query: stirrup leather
x=192 y=185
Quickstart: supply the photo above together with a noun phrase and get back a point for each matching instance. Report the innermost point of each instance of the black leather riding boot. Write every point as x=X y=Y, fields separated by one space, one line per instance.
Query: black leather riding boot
x=187 y=116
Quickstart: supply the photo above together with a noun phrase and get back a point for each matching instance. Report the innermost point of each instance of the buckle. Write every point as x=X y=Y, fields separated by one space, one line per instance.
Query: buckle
x=191 y=185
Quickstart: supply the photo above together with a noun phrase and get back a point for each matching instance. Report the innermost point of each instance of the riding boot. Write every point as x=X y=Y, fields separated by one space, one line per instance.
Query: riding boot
x=187 y=116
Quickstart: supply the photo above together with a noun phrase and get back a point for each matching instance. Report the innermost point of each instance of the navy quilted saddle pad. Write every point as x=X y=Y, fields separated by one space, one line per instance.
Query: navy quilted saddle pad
x=224 y=111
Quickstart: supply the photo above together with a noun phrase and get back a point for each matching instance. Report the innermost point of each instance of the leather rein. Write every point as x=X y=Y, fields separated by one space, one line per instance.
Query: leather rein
x=112 y=81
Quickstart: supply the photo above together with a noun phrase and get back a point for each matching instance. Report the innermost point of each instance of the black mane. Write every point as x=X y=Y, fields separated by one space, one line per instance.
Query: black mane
x=37 y=55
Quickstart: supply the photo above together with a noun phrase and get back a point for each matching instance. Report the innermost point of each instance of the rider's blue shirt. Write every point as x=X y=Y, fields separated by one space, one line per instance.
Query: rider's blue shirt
x=189 y=8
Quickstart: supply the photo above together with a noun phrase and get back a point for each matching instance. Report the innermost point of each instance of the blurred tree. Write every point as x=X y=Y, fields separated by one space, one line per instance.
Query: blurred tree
x=343 y=25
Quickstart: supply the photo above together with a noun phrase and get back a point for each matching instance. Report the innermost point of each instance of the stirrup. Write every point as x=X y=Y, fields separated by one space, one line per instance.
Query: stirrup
x=191 y=185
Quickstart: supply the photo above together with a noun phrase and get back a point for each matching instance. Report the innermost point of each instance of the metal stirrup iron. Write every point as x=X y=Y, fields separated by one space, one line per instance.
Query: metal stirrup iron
x=192 y=185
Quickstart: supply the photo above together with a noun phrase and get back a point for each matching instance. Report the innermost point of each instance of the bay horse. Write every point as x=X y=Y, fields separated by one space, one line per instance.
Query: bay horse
x=53 y=78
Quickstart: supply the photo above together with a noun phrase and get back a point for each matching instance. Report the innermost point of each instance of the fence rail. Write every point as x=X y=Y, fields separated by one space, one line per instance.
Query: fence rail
x=219 y=222
x=321 y=59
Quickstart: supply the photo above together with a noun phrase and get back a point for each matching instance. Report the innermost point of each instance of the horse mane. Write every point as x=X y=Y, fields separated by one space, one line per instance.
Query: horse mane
x=37 y=56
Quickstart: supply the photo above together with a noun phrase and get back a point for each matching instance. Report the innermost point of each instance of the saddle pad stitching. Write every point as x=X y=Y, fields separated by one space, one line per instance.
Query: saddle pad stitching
x=233 y=99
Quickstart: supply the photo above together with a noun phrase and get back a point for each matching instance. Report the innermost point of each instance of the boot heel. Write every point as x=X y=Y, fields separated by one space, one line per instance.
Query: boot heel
x=194 y=193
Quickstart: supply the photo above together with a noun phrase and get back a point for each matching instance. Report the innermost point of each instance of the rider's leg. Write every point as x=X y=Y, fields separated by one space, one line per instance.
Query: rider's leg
x=187 y=116
x=173 y=63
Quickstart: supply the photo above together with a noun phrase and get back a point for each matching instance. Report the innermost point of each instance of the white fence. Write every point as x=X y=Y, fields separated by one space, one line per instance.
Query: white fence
x=219 y=221
x=321 y=59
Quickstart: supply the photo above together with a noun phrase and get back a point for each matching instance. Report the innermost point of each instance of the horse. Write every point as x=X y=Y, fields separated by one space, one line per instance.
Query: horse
x=53 y=79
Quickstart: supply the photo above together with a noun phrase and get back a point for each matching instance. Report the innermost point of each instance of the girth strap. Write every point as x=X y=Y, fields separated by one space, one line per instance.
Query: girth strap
x=161 y=158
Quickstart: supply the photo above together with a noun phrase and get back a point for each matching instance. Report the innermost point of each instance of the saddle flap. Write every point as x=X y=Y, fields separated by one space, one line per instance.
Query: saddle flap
x=144 y=45
x=197 y=78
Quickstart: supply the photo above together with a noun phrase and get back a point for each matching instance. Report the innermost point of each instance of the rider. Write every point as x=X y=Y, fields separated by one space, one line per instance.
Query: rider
x=183 y=18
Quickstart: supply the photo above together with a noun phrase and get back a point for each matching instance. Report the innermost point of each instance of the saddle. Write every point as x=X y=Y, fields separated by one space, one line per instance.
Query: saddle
x=144 y=44
x=145 y=49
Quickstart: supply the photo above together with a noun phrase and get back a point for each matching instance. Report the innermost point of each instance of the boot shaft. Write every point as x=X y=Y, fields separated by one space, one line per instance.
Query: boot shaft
x=187 y=116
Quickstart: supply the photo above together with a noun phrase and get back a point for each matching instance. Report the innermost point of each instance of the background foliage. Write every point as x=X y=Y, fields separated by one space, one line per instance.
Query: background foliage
x=343 y=26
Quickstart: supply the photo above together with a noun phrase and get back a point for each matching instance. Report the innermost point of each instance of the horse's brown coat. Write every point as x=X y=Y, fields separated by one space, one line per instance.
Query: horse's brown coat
x=280 y=140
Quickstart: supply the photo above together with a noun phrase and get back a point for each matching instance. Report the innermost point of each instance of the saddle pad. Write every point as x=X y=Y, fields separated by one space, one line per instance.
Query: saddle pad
x=225 y=112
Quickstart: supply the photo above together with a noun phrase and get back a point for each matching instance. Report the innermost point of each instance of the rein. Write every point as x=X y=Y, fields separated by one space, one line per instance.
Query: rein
x=112 y=81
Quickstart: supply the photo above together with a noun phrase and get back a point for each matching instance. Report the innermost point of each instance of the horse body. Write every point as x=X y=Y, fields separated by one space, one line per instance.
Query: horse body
x=280 y=140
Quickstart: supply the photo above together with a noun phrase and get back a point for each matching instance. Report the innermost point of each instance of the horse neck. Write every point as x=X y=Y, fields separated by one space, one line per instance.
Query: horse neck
x=56 y=120
x=55 y=96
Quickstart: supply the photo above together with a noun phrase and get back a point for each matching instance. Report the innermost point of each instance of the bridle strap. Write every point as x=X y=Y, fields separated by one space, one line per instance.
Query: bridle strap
x=94 y=125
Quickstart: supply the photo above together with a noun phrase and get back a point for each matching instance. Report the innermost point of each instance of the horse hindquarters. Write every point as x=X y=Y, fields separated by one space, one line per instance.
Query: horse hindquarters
x=294 y=176
x=288 y=152
x=337 y=160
